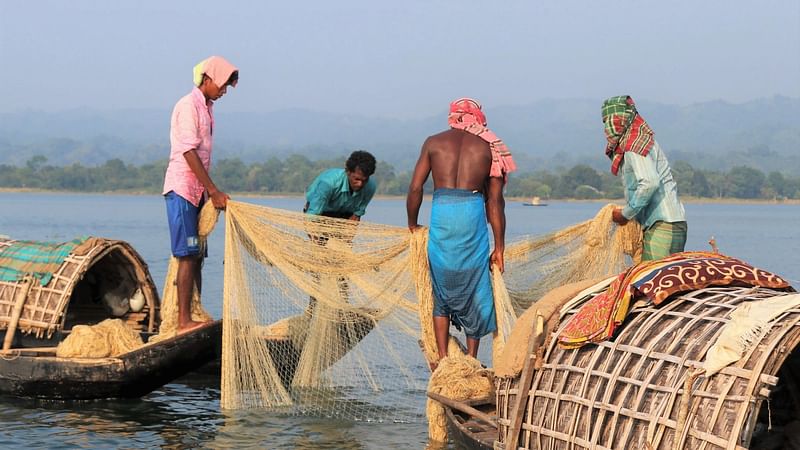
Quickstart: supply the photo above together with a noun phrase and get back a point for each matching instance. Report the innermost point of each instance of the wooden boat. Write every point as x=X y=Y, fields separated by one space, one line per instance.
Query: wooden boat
x=535 y=201
x=35 y=318
x=470 y=424
x=286 y=351
x=646 y=388
x=38 y=372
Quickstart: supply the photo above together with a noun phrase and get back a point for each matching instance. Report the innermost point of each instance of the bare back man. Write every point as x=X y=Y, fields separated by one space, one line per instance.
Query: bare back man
x=469 y=166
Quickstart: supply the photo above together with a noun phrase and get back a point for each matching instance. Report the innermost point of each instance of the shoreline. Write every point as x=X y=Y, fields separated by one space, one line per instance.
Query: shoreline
x=687 y=199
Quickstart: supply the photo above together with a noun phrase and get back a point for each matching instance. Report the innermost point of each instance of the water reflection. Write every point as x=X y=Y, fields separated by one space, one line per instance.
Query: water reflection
x=173 y=417
x=186 y=414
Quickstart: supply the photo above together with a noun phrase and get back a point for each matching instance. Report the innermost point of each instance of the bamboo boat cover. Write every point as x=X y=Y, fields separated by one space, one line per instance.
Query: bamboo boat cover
x=645 y=389
x=38 y=278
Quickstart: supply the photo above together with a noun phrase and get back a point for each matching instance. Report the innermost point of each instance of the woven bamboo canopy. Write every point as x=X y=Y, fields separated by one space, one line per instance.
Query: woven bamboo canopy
x=644 y=389
x=71 y=296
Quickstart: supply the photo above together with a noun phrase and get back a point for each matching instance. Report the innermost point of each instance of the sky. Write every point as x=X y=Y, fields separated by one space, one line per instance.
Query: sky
x=403 y=59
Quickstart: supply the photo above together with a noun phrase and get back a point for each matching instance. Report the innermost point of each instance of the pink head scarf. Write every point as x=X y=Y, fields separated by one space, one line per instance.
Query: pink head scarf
x=217 y=68
x=465 y=114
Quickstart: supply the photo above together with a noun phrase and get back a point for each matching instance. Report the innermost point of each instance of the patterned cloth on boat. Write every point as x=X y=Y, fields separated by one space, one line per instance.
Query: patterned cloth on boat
x=626 y=130
x=697 y=270
x=599 y=318
x=458 y=252
x=663 y=239
x=39 y=259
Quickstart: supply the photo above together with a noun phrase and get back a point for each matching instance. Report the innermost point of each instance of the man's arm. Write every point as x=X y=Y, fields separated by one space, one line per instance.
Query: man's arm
x=647 y=180
x=415 y=188
x=317 y=196
x=496 y=215
x=218 y=198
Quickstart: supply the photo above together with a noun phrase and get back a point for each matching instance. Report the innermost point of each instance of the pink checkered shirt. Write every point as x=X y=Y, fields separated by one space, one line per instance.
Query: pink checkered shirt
x=190 y=129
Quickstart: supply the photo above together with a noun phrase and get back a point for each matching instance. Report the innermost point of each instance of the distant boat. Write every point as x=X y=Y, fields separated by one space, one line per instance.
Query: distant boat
x=535 y=201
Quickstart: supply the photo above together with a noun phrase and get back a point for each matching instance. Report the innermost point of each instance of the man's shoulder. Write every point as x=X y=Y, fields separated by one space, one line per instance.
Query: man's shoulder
x=329 y=175
x=327 y=178
x=446 y=134
x=453 y=135
x=185 y=103
x=333 y=171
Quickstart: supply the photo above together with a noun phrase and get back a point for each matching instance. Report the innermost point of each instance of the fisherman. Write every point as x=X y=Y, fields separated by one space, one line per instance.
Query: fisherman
x=187 y=183
x=343 y=193
x=651 y=195
x=470 y=165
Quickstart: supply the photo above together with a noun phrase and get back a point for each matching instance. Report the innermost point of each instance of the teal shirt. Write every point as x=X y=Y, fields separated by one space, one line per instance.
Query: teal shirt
x=330 y=192
x=650 y=191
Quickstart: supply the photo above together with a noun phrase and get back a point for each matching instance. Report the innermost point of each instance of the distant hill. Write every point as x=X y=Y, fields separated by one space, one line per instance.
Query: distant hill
x=547 y=134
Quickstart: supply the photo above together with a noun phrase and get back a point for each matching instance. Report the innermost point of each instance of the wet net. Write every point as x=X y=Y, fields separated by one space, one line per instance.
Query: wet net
x=326 y=317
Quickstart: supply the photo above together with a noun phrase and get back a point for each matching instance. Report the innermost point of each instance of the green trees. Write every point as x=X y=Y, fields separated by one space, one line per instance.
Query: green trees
x=745 y=182
x=294 y=173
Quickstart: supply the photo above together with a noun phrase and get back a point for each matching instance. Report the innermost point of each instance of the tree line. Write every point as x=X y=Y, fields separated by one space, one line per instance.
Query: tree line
x=294 y=173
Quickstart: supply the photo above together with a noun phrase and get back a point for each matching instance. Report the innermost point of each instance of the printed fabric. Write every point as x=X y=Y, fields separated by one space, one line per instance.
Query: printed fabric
x=599 y=318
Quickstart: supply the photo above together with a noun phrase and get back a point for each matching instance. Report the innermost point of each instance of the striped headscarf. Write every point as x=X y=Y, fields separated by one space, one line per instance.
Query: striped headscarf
x=625 y=129
x=465 y=114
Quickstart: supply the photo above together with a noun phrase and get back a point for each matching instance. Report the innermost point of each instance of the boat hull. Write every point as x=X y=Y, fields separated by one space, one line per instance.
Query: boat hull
x=131 y=375
x=468 y=433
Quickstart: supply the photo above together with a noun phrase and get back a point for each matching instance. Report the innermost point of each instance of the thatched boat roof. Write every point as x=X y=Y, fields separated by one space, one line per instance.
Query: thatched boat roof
x=28 y=306
x=642 y=390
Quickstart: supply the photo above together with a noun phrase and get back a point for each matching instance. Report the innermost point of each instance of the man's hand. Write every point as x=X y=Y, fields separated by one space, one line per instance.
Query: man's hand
x=219 y=199
x=617 y=217
x=414 y=227
x=497 y=260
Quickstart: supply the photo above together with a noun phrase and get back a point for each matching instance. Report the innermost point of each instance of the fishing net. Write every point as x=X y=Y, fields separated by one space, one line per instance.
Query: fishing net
x=326 y=316
x=108 y=338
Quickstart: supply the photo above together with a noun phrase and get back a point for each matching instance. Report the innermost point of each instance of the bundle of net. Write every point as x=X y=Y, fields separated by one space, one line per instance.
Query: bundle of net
x=320 y=317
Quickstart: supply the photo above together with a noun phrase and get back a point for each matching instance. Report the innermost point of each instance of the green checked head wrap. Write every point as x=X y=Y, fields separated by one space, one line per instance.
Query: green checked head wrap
x=621 y=108
x=626 y=130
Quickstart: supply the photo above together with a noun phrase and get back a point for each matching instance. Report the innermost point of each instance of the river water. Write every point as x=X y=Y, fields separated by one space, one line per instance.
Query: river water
x=186 y=413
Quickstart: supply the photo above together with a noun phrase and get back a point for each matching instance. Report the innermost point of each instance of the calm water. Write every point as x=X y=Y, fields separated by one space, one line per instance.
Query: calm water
x=187 y=414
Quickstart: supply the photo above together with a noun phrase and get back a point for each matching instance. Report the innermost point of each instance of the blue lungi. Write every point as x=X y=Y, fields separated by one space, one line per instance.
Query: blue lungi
x=458 y=252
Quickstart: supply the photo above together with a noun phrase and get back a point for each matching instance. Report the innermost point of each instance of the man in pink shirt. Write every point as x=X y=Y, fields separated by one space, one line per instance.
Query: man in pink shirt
x=187 y=184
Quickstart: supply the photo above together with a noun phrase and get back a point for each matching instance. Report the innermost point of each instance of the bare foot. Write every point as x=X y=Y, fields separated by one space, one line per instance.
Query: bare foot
x=189 y=326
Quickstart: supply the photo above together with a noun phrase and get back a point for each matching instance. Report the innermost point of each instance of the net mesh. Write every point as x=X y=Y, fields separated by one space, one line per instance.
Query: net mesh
x=325 y=316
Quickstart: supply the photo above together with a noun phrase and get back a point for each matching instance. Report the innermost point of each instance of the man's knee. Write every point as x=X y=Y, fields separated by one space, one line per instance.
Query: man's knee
x=187 y=261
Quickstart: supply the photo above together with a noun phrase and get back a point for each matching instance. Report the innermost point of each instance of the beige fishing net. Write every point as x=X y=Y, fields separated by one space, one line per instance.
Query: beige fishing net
x=108 y=338
x=327 y=316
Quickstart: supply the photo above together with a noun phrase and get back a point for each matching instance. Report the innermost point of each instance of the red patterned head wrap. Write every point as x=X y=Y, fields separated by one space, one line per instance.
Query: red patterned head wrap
x=465 y=114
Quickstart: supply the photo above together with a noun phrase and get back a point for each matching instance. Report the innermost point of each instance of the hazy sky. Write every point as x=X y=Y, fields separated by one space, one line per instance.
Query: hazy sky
x=395 y=59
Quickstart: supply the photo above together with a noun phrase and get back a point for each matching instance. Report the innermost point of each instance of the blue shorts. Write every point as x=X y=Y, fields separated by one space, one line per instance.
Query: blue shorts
x=182 y=217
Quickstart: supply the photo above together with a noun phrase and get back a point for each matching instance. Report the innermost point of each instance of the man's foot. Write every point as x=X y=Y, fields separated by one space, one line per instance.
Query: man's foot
x=189 y=326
